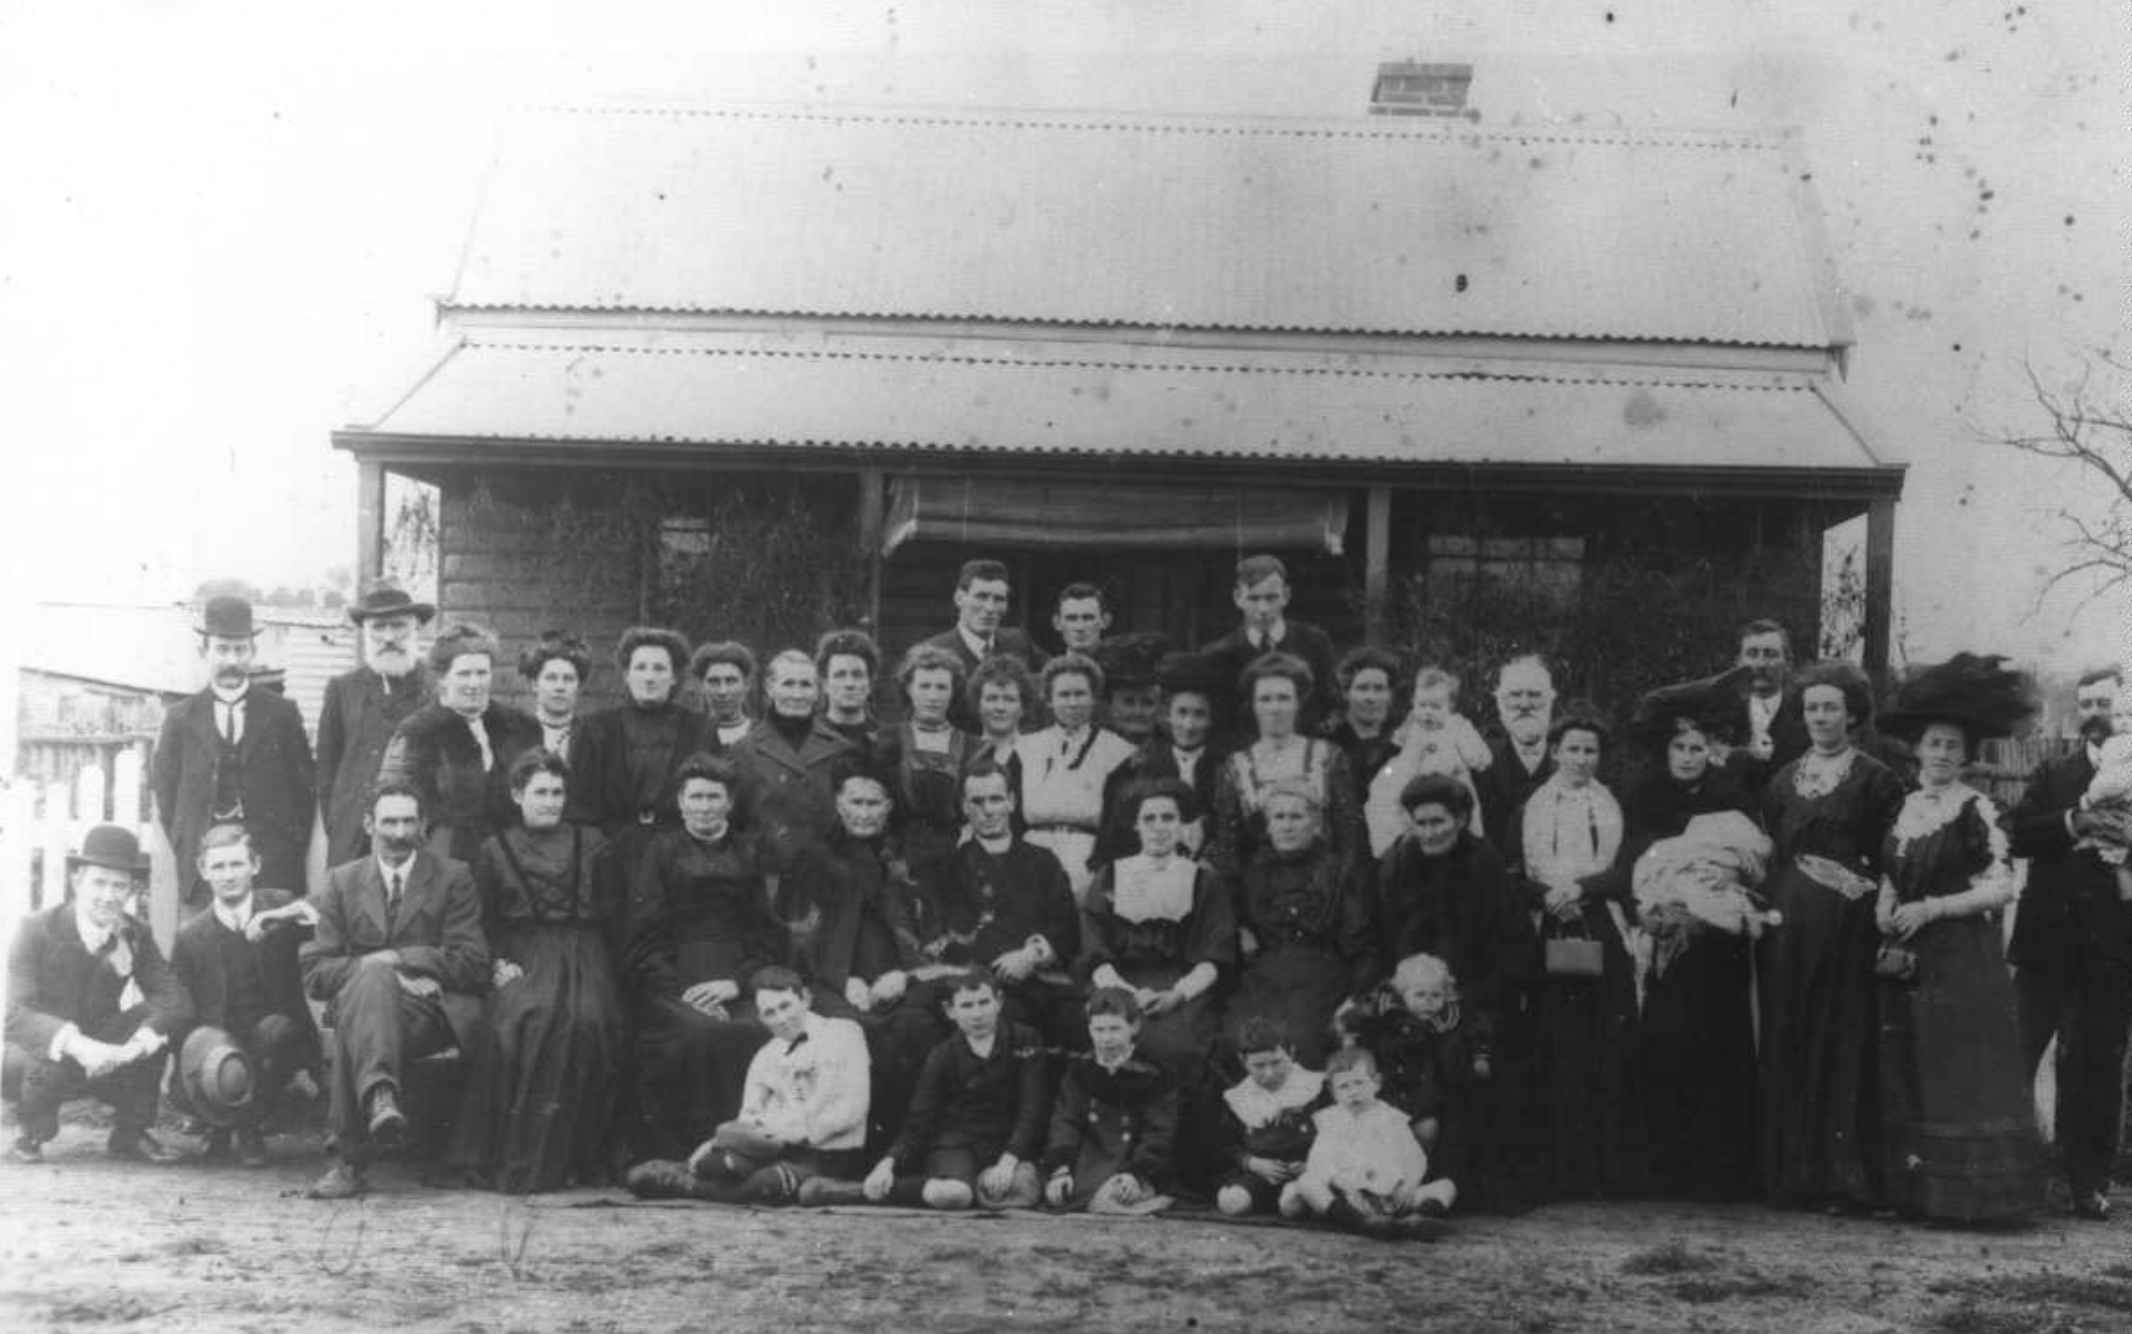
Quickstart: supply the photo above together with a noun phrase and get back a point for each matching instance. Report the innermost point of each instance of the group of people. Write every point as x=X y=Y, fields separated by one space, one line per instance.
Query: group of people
x=1258 y=925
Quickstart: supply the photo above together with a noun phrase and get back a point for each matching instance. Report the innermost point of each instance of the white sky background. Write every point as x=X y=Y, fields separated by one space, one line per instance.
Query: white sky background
x=220 y=224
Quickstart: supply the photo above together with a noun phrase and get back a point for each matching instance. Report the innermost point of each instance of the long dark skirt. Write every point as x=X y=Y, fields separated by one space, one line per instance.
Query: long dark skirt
x=1820 y=1134
x=539 y=1107
x=1699 y=1073
x=691 y=1071
x=1591 y=1095
x=1959 y=1126
x=1298 y=985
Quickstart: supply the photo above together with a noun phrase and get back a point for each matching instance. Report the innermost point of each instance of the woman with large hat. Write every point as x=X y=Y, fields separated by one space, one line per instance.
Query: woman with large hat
x=1959 y=1134
x=1828 y=813
x=1698 y=1057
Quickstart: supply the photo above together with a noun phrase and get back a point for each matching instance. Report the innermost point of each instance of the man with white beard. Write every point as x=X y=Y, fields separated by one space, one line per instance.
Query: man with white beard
x=1525 y=706
x=364 y=707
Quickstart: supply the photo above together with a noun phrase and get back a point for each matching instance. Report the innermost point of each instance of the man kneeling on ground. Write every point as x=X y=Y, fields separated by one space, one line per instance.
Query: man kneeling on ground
x=802 y=1115
x=976 y=1119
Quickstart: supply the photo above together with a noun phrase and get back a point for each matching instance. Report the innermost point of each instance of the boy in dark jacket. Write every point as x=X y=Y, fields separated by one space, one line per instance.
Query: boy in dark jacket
x=1114 y=1121
x=976 y=1119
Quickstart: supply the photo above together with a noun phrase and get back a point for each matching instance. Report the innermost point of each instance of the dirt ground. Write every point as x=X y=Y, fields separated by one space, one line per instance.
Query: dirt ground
x=88 y=1244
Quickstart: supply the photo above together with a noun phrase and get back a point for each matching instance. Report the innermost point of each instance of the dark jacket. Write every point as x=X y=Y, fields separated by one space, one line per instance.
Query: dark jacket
x=853 y=903
x=354 y=726
x=2071 y=904
x=987 y=1104
x=1230 y=654
x=974 y=906
x=699 y=912
x=437 y=932
x=1504 y=787
x=52 y=981
x=1465 y=909
x=277 y=782
x=434 y=751
x=614 y=789
x=791 y=792
x=1787 y=738
x=197 y=962
x=1104 y=1122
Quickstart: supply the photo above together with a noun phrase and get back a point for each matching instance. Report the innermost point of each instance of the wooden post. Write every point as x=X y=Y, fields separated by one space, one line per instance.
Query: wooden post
x=873 y=511
x=1880 y=586
x=1376 y=573
x=369 y=520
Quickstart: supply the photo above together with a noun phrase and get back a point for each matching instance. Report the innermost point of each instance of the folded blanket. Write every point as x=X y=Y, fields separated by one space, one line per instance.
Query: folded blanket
x=1701 y=879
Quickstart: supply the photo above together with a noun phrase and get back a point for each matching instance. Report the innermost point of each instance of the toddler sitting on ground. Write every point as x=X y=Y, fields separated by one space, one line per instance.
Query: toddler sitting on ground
x=1366 y=1169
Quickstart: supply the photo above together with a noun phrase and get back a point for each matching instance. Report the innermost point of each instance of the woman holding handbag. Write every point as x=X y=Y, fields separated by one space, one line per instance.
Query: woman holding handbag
x=1958 y=1131
x=1565 y=839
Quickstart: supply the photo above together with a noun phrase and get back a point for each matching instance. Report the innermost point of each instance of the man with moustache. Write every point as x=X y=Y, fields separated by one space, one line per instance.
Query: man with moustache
x=400 y=959
x=2072 y=946
x=1525 y=706
x=235 y=754
x=236 y=964
x=1772 y=734
x=364 y=707
x=91 y=1005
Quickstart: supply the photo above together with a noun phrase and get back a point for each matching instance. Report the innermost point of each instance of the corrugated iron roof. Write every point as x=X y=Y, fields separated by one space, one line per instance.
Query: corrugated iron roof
x=1355 y=226
x=1118 y=400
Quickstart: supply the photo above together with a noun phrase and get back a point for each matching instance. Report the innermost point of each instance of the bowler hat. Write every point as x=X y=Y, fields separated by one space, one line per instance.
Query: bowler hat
x=216 y=1076
x=382 y=597
x=227 y=616
x=113 y=847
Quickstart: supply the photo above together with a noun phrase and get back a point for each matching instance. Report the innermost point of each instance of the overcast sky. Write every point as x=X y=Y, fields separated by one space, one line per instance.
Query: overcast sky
x=220 y=224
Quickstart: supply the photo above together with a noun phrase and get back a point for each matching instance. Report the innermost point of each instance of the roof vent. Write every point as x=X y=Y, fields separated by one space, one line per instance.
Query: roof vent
x=1408 y=88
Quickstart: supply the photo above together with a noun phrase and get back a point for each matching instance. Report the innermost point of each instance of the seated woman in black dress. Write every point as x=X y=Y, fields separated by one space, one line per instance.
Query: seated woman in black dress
x=1309 y=926
x=699 y=925
x=539 y=1108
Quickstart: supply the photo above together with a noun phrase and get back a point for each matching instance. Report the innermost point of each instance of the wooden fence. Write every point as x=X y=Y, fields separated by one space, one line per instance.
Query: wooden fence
x=41 y=823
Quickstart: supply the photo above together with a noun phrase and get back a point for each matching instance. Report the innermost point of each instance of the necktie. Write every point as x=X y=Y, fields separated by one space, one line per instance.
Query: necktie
x=795 y=1044
x=392 y=891
x=229 y=718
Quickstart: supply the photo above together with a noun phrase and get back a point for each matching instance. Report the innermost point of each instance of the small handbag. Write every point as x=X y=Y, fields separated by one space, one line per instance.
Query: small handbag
x=1573 y=956
x=1895 y=962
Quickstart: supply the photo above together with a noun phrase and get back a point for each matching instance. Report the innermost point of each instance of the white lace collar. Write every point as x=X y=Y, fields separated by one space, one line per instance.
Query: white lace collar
x=1145 y=891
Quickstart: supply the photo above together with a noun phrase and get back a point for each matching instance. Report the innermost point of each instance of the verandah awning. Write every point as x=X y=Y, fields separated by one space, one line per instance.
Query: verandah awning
x=1111 y=515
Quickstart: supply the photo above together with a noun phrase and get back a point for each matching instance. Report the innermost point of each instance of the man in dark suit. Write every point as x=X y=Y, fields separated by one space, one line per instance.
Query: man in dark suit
x=401 y=961
x=1525 y=707
x=364 y=707
x=91 y=1005
x=236 y=964
x=981 y=596
x=1261 y=594
x=2072 y=949
x=235 y=754
x=1769 y=722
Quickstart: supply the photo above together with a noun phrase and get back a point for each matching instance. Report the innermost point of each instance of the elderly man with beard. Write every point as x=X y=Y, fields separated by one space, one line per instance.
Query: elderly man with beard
x=364 y=707
x=233 y=754
x=400 y=959
x=2072 y=946
x=1525 y=706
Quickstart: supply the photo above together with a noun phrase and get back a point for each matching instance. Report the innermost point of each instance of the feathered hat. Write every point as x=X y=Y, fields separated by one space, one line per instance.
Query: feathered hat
x=1978 y=693
x=1712 y=706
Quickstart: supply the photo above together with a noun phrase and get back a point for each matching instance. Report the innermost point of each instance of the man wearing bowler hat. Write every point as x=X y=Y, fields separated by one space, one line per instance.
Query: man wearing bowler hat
x=237 y=966
x=235 y=754
x=400 y=959
x=364 y=707
x=91 y=1005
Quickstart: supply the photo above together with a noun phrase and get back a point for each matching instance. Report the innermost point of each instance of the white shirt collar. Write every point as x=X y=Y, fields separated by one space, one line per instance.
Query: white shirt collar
x=234 y=918
x=1273 y=637
x=979 y=648
x=997 y=846
x=230 y=696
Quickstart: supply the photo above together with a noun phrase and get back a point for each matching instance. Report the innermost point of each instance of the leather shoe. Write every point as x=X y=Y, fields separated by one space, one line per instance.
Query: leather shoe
x=25 y=1150
x=138 y=1146
x=341 y=1182
x=388 y=1124
x=2094 y=1205
x=252 y=1148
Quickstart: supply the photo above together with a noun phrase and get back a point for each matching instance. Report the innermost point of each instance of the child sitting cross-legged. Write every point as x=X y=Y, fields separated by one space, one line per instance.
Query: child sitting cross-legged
x=976 y=1119
x=1366 y=1169
x=1266 y=1125
x=1114 y=1120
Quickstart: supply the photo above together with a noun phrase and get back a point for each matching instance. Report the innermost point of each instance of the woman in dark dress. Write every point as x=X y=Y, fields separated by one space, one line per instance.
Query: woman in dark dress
x=629 y=756
x=924 y=756
x=1566 y=836
x=1310 y=927
x=458 y=751
x=1699 y=1076
x=539 y=1109
x=699 y=926
x=1162 y=927
x=1365 y=732
x=791 y=761
x=1959 y=1129
x=1828 y=813
x=1441 y=890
